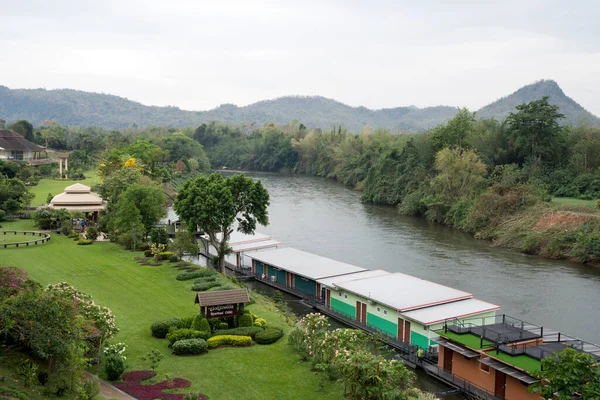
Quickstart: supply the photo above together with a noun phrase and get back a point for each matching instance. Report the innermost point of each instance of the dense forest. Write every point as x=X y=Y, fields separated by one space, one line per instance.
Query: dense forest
x=78 y=108
x=492 y=179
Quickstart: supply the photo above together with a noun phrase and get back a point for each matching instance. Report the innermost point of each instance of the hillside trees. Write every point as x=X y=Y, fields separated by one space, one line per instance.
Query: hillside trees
x=215 y=203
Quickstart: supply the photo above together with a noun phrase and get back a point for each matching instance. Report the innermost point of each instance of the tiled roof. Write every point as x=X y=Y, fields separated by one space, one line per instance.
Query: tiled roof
x=221 y=297
x=11 y=140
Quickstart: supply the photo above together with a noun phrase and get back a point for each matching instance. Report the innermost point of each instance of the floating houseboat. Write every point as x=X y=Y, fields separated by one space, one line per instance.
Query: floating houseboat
x=242 y=246
x=502 y=356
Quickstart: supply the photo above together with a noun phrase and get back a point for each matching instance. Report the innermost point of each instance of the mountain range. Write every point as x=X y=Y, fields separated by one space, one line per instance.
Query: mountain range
x=74 y=107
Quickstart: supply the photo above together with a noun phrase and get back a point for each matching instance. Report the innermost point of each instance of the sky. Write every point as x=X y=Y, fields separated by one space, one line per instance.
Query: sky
x=380 y=54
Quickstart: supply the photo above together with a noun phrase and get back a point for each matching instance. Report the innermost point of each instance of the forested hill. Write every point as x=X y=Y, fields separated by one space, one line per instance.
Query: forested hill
x=574 y=113
x=73 y=107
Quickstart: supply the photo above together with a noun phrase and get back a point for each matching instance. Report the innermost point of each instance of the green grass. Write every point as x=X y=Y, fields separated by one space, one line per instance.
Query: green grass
x=467 y=339
x=45 y=186
x=139 y=295
x=522 y=361
x=569 y=201
x=12 y=238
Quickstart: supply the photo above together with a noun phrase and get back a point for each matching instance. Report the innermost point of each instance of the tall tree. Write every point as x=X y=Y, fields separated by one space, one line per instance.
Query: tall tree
x=534 y=129
x=24 y=128
x=454 y=132
x=215 y=203
x=149 y=200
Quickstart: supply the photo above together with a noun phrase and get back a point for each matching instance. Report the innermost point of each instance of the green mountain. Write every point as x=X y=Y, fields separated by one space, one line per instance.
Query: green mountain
x=574 y=113
x=74 y=107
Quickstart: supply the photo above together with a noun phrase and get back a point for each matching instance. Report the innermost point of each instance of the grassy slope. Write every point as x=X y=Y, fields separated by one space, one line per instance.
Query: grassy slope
x=139 y=295
x=55 y=187
x=569 y=201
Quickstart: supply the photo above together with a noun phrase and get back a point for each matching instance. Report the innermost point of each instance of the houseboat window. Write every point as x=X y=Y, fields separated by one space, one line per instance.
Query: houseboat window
x=425 y=327
x=484 y=368
x=340 y=293
x=378 y=309
x=385 y=311
x=345 y=296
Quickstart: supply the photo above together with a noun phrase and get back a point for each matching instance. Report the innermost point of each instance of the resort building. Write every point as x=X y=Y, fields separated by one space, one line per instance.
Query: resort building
x=501 y=355
x=242 y=246
x=404 y=307
x=298 y=269
x=14 y=147
x=78 y=197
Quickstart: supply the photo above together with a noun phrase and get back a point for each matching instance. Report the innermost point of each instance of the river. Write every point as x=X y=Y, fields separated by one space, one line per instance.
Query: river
x=326 y=218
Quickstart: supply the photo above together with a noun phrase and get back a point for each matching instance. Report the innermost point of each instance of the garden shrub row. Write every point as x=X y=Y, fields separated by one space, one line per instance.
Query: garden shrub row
x=210 y=278
x=246 y=331
x=229 y=340
x=165 y=255
x=190 y=346
x=161 y=328
x=268 y=336
x=186 y=276
x=204 y=286
x=176 y=334
x=84 y=242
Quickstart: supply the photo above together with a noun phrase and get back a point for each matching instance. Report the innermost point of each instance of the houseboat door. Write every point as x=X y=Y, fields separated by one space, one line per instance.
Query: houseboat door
x=500 y=387
x=361 y=312
x=400 y=329
x=328 y=297
x=407 y=331
x=448 y=359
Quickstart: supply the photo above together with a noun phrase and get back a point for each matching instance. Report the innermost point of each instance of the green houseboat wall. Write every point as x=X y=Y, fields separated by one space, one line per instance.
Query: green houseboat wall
x=385 y=319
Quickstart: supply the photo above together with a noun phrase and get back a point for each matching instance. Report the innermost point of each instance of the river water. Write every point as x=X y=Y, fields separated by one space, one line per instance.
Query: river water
x=323 y=217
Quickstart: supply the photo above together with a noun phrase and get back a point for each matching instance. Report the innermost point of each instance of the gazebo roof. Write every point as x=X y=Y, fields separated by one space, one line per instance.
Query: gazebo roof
x=222 y=297
x=78 y=197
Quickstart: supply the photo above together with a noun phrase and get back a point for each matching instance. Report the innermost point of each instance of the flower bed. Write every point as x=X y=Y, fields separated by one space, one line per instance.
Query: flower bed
x=132 y=385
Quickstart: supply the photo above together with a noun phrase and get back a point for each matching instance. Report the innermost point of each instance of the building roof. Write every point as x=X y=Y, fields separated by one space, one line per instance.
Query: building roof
x=455 y=309
x=263 y=244
x=78 y=197
x=305 y=264
x=403 y=292
x=11 y=140
x=331 y=282
x=222 y=297
x=237 y=237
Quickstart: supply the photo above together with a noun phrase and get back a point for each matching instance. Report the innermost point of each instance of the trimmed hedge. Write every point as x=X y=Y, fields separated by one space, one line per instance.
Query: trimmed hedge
x=161 y=328
x=176 y=335
x=223 y=325
x=186 y=276
x=187 y=323
x=84 y=242
x=165 y=255
x=190 y=346
x=245 y=320
x=269 y=336
x=173 y=258
x=229 y=340
x=247 y=331
x=210 y=278
x=204 y=286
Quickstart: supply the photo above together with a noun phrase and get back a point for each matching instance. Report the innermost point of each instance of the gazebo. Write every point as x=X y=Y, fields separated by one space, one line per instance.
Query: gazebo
x=78 y=197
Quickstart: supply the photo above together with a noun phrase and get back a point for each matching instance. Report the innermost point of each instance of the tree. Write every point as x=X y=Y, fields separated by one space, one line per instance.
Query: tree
x=534 y=129
x=126 y=225
x=454 y=132
x=569 y=372
x=159 y=236
x=460 y=173
x=214 y=203
x=23 y=128
x=14 y=195
x=149 y=200
x=183 y=243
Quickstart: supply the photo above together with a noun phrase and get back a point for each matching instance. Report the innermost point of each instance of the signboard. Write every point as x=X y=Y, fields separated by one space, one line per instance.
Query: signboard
x=220 y=311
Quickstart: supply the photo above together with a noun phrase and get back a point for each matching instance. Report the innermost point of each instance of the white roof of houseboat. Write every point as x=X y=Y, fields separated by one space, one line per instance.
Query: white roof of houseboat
x=236 y=237
x=334 y=280
x=456 y=309
x=305 y=264
x=263 y=244
x=403 y=292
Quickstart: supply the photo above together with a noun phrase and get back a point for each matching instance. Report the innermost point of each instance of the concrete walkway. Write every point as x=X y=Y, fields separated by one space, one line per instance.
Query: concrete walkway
x=108 y=391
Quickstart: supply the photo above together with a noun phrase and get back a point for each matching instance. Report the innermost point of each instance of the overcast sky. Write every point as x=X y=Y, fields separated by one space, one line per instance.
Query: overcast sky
x=199 y=54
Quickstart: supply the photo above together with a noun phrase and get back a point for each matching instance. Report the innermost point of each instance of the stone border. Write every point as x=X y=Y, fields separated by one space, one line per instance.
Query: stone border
x=44 y=239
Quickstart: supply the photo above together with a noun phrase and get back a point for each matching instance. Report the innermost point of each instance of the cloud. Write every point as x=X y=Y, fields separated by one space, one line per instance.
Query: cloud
x=199 y=54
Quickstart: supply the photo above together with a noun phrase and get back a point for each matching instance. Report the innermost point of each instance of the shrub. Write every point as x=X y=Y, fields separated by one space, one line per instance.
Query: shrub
x=74 y=235
x=161 y=328
x=190 y=346
x=260 y=321
x=247 y=331
x=204 y=286
x=91 y=233
x=186 y=322
x=176 y=334
x=173 y=258
x=91 y=389
x=205 y=326
x=245 y=320
x=143 y=247
x=148 y=253
x=114 y=367
x=211 y=278
x=223 y=325
x=165 y=255
x=229 y=340
x=2 y=214
x=66 y=229
x=186 y=276
x=84 y=242
x=268 y=336
x=159 y=236
x=196 y=322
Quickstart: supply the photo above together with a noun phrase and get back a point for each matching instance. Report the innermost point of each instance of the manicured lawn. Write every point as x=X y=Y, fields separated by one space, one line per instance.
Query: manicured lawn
x=522 y=361
x=139 y=295
x=569 y=201
x=467 y=339
x=19 y=237
x=55 y=187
